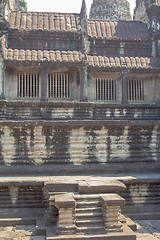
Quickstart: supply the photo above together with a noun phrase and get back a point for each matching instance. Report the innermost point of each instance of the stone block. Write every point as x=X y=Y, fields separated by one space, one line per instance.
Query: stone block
x=64 y=201
x=112 y=200
x=88 y=187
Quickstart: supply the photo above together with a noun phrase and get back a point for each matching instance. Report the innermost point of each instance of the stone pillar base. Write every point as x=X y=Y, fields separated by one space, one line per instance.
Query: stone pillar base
x=111 y=212
x=66 y=210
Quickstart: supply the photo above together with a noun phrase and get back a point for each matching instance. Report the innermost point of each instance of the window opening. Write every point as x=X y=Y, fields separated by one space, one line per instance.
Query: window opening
x=106 y=89
x=58 y=85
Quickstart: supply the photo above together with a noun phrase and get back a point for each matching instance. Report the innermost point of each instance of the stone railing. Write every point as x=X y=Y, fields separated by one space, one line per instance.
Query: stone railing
x=77 y=110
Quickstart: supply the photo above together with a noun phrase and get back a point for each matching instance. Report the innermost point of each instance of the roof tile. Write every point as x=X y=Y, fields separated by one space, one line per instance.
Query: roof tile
x=28 y=55
x=15 y=54
x=34 y=55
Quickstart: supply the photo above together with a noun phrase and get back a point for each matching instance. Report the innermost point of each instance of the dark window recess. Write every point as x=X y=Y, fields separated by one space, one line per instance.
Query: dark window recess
x=135 y=90
x=58 y=85
x=27 y=85
x=106 y=89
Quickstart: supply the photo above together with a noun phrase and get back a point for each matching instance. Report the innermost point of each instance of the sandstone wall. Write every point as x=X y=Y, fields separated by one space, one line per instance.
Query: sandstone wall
x=74 y=143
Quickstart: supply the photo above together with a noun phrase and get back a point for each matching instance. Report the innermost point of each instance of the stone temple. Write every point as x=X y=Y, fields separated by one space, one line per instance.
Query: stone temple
x=79 y=121
x=111 y=9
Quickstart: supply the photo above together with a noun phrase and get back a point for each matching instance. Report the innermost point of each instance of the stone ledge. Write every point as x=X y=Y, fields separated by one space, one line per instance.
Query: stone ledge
x=71 y=169
x=79 y=123
x=127 y=234
x=100 y=187
x=74 y=104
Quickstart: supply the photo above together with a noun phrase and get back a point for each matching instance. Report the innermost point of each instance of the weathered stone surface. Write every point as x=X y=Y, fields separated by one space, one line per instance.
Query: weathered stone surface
x=41 y=145
x=87 y=187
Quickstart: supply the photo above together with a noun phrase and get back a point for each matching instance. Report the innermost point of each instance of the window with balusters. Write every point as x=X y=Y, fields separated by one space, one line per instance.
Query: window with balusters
x=58 y=86
x=106 y=89
x=136 y=90
x=28 y=85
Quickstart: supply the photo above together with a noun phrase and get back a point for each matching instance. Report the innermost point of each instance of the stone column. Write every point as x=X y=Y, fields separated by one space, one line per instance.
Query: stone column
x=124 y=86
x=1 y=78
x=111 y=205
x=66 y=209
x=44 y=79
x=83 y=85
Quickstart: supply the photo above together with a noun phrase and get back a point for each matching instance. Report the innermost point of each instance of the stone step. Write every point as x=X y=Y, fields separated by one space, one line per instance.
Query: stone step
x=55 y=193
x=87 y=200
x=91 y=229
x=88 y=215
x=88 y=210
x=88 y=197
x=86 y=204
x=93 y=234
x=90 y=222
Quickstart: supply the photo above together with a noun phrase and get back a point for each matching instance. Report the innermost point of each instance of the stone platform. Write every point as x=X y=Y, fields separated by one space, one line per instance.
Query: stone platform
x=146 y=230
x=88 y=201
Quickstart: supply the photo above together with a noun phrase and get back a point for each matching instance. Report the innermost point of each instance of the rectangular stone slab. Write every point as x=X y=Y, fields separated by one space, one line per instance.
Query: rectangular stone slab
x=86 y=187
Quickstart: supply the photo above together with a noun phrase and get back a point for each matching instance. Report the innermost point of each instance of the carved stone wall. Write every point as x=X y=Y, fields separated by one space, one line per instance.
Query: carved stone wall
x=109 y=9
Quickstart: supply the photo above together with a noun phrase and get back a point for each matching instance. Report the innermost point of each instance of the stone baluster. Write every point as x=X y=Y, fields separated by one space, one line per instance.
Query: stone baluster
x=111 y=205
x=66 y=210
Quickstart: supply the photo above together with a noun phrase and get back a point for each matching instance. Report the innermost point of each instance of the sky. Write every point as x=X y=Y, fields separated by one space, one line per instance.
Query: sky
x=72 y=6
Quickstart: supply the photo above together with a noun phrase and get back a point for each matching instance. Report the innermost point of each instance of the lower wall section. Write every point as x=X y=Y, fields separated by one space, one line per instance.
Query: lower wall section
x=142 y=198
x=73 y=144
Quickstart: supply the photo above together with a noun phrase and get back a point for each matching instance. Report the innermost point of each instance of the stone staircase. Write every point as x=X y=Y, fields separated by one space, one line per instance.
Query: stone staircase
x=88 y=214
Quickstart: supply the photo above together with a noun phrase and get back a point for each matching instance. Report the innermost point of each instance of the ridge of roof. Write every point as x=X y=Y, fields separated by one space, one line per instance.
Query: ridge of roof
x=65 y=13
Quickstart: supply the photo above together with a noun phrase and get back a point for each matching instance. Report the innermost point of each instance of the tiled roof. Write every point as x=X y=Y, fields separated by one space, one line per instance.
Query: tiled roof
x=40 y=56
x=117 y=29
x=77 y=57
x=128 y=62
x=66 y=22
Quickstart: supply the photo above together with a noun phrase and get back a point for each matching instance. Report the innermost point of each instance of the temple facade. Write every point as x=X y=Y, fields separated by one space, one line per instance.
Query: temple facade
x=80 y=98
